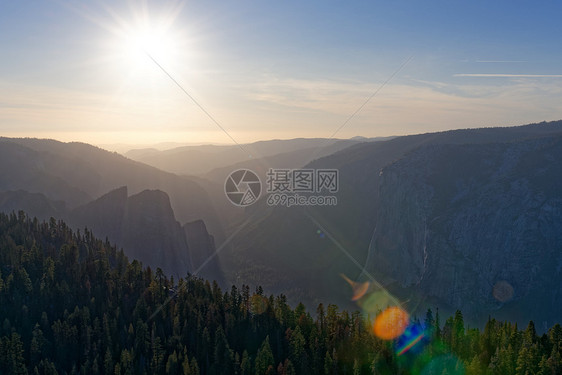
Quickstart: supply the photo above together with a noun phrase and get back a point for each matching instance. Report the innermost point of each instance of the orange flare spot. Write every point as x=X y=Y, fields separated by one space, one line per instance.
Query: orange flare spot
x=359 y=289
x=391 y=323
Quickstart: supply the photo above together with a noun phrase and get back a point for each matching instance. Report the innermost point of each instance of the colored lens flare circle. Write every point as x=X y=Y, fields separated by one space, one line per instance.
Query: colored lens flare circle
x=258 y=304
x=503 y=291
x=375 y=301
x=411 y=340
x=444 y=364
x=359 y=289
x=391 y=323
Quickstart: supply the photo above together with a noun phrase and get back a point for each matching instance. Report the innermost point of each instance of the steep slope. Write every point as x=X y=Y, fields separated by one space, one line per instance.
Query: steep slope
x=151 y=233
x=143 y=224
x=34 y=204
x=477 y=226
x=304 y=249
x=23 y=168
x=202 y=250
x=103 y=216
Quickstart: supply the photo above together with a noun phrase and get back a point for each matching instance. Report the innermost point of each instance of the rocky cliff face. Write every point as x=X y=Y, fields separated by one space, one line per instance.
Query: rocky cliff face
x=152 y=234
x=403 y=224
x=476 y=226
x=103 y=216
x=143 y=224
x=202 y=250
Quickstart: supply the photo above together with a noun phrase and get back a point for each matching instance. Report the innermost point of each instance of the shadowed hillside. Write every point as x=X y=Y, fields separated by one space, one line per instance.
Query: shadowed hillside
x=378 y=222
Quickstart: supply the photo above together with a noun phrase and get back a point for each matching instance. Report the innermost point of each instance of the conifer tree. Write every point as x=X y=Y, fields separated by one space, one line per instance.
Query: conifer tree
x=264 y=358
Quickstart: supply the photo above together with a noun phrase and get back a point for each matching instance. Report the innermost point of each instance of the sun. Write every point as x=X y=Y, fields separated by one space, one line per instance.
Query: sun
x=143 y=43
x=145 y=36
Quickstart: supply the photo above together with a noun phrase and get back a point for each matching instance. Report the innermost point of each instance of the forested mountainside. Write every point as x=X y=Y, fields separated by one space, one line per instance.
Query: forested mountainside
x=143 y=225
x=453 y=217
x=76 y=182
x=73 y=304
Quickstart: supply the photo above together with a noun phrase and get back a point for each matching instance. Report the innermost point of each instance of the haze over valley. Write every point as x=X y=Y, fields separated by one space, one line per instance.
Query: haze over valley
x=423 y=215
x=280 y=188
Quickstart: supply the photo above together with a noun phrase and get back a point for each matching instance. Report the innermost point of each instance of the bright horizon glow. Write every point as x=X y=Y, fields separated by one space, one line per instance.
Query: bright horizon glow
x=79 y=71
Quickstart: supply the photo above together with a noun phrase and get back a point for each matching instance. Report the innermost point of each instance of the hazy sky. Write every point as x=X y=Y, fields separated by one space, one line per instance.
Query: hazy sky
x=73 y=70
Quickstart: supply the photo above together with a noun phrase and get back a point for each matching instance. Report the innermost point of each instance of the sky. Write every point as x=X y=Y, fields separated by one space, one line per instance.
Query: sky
x=141 y=72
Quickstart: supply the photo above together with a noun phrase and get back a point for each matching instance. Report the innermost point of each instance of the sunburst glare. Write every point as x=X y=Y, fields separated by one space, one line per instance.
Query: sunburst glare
x=149 y=41
x=142 y=36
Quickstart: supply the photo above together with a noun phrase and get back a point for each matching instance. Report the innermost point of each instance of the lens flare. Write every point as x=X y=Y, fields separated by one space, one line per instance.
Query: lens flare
x=412 y=341
x=413 y=334
x=376 y=301
x=359 y=289
x=444 y=364
x=391 y=323
x=503 y=291
x=258 y=304
x=411 y=344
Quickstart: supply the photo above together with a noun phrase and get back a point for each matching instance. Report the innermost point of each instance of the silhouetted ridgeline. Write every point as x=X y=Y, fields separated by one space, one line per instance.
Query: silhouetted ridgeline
x=72 y=304
x=138 y=207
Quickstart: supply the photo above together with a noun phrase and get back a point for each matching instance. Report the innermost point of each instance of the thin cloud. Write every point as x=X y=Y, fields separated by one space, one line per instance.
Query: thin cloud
x=289 y=107
x=403 y=108
x=35 y=108
x=500 y=61
x=496 y=75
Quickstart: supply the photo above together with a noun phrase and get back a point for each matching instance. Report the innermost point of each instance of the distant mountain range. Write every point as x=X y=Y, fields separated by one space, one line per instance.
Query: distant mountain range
x=167 y=220
x=206 y=159
x=88 y=187
x=467 y=219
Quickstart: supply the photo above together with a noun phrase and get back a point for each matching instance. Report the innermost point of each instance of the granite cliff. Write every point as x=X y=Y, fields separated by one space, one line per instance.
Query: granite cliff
x=476 y=226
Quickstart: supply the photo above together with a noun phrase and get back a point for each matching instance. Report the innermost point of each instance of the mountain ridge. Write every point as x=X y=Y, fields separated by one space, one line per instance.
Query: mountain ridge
x=296 y=237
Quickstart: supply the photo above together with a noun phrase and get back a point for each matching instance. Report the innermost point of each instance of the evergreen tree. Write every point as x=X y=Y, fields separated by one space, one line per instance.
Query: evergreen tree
x=530 y=334
x=554 y=361
x=474 y=367
x=457 y=335
x=223 y=361
x=172 y=364
x=356 y=367
x=99 y=318
x=11 y=355
x=328 y=364
x=245 y=364
x=108 y=362
x=264 y=358
x=297 y=350
x=437 y=329
x=194 y=367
